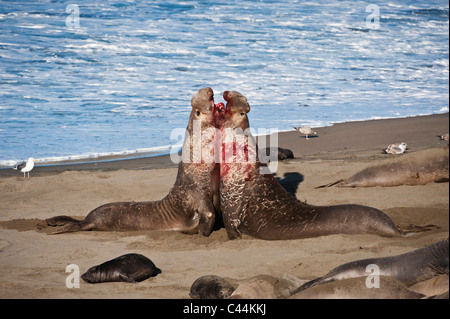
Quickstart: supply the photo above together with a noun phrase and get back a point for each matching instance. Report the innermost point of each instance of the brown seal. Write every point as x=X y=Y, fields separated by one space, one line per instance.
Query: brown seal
x=131 y=268
x=410 y=268
x=193 y=201
x=254 y=203
x=418 y=168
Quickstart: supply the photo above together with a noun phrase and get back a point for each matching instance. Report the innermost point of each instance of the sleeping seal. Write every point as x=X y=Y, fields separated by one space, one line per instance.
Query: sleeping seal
x=210 y=287
x=419 y=168
x=193 y=201
x=356 y=288
x=128 y=268
x=410 y=268
x=254 y=203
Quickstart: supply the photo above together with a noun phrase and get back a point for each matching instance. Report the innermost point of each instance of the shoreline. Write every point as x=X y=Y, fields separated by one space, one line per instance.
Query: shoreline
x=339 y=136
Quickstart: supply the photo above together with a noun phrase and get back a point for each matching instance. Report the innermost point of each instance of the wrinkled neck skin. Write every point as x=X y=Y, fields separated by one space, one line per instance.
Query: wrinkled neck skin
x=196 y=188
x=240 y=171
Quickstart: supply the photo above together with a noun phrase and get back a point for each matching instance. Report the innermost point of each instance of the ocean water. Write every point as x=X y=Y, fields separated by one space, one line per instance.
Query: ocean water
x=116 y=77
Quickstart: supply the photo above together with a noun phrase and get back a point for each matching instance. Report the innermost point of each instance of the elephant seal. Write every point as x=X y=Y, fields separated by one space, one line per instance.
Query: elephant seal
x=282 y=153
x=254 y=289
x=418 y=168
x=409 y=268
x=356 y=288
x=131 y=268
x=193 y=201
x=433 y=286
x=211 y=287
x=254 y=203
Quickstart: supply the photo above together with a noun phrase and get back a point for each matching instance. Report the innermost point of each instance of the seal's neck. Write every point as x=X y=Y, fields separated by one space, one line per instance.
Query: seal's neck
x=199 y=143
x=239 y=156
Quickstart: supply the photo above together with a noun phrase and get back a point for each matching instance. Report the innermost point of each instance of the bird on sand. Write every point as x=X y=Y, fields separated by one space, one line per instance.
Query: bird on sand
x=25 y=167
x=397 y=148
x=443 y=137
x=305 y=130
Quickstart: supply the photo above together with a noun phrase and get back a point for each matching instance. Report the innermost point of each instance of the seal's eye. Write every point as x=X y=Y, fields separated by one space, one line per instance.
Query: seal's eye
x=242 y=114
x=198 y=113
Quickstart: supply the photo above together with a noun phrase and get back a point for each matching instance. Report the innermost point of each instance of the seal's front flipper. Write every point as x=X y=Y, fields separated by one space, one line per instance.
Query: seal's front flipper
x=127 y=278
x=207 y=218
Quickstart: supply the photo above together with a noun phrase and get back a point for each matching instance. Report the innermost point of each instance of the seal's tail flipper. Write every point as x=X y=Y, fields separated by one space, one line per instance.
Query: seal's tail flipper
x=331 y=184
x=56 y=221
x=410 y=229
x=69 y=224
x=312 y=283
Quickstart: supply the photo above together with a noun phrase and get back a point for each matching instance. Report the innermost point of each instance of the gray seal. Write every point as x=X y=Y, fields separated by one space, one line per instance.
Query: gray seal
x=130 y=268
x=211 y=287
x=254 y=203
x=356 y=288
x=418 y=168
x=192 y=203
x=409 y=268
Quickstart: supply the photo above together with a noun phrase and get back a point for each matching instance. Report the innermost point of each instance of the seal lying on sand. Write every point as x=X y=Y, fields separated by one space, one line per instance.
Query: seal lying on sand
x=419 y=168
x=211 y=287
x=128 y=268
x=356 y=288
x=254 y=203
x=193 y=201
x=410 y=268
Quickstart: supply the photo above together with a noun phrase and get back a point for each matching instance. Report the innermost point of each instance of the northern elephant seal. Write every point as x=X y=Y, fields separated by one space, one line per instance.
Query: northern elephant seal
x=356 y=288
x=193 y=201
x=433 y=286
x=410 y=268
x=418 y=168
x=254 y=203
x=254 y=289
x=211 y=287
x=128 y=268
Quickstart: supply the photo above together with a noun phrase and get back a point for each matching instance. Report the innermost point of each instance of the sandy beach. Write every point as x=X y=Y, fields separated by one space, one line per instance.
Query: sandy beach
x=33 y=263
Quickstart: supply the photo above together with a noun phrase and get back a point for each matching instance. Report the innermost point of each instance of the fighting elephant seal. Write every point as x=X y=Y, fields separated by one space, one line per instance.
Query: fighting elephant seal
x=128 y=268
x=193 y=201
x=409 y=268
x=419 y=168
x=254 y=203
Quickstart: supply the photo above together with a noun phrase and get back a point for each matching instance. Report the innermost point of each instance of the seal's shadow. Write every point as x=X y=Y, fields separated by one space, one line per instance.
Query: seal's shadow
x=290 y=182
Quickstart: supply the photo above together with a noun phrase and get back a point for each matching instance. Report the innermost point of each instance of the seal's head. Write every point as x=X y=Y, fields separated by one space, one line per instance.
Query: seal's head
x=92 y=275
x=203 y=106
x=235 y=115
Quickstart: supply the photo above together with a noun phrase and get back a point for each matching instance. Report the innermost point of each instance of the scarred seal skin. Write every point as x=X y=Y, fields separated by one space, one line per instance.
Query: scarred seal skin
x=254 y=203
x=130 y=268
x=192 y=203
x=409 y=268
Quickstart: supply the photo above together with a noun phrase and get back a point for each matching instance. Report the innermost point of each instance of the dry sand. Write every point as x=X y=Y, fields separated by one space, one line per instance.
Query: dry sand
x=33 y=263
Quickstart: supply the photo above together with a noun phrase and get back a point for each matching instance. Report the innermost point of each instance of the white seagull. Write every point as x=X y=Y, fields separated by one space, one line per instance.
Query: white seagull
x=25 y=167
x=305 y=130
x=443 y=137
x=397 y=148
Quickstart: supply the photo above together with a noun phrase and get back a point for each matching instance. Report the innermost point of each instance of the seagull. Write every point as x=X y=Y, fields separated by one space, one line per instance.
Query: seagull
x=25 y=167
x=397 y=148
x=443 y=137
x=305 y=130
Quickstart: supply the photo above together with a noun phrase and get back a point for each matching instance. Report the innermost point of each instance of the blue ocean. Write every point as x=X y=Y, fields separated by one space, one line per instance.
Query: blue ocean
x=87 y=80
